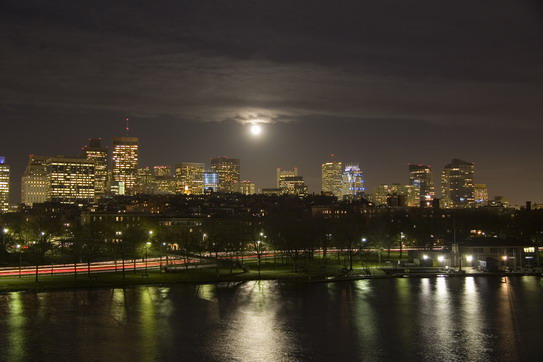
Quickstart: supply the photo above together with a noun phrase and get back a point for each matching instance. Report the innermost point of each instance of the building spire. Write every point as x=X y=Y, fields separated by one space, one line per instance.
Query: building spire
x=127 y=128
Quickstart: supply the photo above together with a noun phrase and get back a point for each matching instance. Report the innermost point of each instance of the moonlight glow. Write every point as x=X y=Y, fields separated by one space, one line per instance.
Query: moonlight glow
x=256 y=130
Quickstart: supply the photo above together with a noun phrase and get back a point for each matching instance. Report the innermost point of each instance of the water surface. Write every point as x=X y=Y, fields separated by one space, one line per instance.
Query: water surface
x=429 y=319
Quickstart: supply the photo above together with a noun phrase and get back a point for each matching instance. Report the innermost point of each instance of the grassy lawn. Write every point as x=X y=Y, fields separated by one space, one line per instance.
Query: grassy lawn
x=269 y=270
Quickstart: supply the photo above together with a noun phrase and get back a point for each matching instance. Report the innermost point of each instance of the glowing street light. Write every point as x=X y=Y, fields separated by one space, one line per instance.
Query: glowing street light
x=258 y=254
x=147 y=246
x=469 y=258
x=19 y=251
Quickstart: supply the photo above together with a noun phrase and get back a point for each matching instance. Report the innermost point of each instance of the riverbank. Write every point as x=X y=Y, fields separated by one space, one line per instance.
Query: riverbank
x=116 y=280
x=27 y=283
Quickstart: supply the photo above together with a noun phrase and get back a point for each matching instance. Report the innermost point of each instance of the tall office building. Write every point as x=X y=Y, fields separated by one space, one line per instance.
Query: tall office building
x=396 y=195
x=480 y=194
x=145 y=181
x=165 y=183
x=293 y=185
x=352 y=184
x=162 y=171
x=421 y=176
x=71 y=180
x=35 y=183
x=190 y=178
x=211 y=182
x=228 y=170
x=282 y=174
x=4 y=185
x=457 y=189
x=95 y=151
x=124 y=168
x=246 y=188
x=332 y=176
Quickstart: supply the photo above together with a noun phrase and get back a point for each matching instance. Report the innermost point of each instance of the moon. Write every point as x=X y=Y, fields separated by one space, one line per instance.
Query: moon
x=256 y=130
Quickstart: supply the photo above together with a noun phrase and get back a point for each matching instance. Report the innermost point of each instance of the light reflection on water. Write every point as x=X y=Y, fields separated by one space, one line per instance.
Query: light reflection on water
x=16 y=323
x=429 y=319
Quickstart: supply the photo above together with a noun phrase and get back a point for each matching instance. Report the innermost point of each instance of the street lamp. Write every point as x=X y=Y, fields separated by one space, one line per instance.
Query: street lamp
x=147 y=245
x=119 y=235
x=204 y=236
x=18 y=246
x=258 y=256
x=163 y=252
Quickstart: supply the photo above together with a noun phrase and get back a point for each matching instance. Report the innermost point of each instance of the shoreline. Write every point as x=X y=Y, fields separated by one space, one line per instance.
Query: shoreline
x=113 y=280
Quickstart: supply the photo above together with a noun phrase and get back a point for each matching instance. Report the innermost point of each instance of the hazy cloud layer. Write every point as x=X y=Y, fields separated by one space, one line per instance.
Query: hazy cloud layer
x=442 y=61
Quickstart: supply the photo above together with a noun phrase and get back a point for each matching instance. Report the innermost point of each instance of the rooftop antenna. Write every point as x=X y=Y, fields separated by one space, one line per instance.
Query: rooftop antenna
x=127 y=129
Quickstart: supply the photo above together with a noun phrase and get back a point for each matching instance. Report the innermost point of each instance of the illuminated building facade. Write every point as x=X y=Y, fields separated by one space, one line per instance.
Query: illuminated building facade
x=332 y=177
x=145 y=181
x=396 y=195
x=293 y=185
x=281 y=175
x=457 y=190
x=211 y=182
x=162 y=171
x=165 y=183
x=421 y=176
x=246 y=188
x=124 y=167
x=35 y=182
x=71 y=180
x=4 y=185
x=190 y=178
x=480 y=194
x=352 y=184
x=228 y=170
x=94 y=151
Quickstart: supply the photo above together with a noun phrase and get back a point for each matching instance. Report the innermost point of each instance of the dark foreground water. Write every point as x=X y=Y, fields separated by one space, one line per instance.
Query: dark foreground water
x=455 y=319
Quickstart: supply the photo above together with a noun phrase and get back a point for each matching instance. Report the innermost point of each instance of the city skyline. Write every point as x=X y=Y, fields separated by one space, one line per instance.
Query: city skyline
x=381 y=84
x=96 y=144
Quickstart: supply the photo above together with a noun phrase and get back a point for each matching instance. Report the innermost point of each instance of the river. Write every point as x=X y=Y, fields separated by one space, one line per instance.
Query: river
x=405 y=319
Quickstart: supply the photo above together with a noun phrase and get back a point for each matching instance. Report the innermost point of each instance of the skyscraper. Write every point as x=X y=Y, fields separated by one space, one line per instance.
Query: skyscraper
x=35 y=183
x=145 y=181
x=293 y=185
x=211 y=182
x=162 y=170
x=228 y=170
x=124 y=165
x=352 y=185
x=457 y=189
x=282 y=174
x=421 y=176
x=246 y=188
x=396 y=195
x=4 y=185
x=95 y=151
x=165 y=183
x=190 y=178
x=332 y=176
x=71 y=180
x=480 y=194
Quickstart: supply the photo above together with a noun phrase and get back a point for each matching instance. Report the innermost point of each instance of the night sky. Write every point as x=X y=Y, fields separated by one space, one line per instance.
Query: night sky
x=381 y=82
